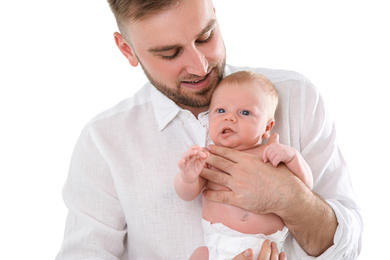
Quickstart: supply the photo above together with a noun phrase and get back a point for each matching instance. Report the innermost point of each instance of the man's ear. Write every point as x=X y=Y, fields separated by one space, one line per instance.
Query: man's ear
x=268 y=128
x=126 y=50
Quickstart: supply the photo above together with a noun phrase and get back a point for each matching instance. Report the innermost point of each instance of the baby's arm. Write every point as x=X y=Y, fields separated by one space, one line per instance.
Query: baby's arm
x=188 y=184
x=277 y=153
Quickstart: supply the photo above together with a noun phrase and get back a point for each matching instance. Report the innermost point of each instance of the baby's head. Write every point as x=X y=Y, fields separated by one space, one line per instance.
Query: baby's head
x=242 y=110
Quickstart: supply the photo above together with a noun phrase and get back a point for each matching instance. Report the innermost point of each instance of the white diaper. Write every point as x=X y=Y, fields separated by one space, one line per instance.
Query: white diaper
x=225 y=243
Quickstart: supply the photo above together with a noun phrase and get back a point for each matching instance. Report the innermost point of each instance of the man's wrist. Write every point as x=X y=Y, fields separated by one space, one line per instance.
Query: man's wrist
x=310 y=219
x=298 y=200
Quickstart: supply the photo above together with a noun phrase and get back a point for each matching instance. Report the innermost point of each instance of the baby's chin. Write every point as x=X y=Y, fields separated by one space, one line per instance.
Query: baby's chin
x=235 y=146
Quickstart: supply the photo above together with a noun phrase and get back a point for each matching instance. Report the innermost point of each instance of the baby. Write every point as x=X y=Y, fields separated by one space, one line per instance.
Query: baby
x=241 y=115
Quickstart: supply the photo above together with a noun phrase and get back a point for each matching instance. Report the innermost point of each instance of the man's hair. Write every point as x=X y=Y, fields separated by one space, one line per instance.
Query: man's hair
x=263 y=82
x=135 y=10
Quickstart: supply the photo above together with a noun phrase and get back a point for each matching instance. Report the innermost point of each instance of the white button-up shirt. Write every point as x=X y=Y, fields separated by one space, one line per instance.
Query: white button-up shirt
x=120 y=195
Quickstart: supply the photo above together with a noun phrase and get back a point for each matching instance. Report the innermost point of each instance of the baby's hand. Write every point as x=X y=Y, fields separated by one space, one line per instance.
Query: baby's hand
x=192 y=163
x=277 y=153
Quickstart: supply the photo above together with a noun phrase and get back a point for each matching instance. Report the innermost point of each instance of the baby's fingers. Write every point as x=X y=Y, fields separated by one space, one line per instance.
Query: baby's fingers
x=190 y=153
x=265 y=154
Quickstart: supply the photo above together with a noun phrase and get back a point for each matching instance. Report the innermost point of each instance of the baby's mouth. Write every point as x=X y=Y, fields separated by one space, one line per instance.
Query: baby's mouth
x=227 y=131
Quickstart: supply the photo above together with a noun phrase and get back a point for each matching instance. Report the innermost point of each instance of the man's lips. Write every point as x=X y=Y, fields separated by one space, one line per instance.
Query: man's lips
x=198 y=83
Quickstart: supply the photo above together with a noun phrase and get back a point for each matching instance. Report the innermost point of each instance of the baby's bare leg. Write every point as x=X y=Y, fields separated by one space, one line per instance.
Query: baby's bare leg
x=201 y=253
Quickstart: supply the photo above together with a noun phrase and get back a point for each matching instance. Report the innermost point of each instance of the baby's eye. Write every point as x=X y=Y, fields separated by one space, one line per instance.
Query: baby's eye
x=220 y=110
x=245 y=112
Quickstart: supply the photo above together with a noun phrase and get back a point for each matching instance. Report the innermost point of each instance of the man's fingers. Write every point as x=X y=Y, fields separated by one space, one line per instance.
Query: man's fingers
x=227 y=153
x=269 y=251
x=219 y=162
x=274 y=251
x=216 y=176
x=265 y=252
x=219 y=196
x=247 y=254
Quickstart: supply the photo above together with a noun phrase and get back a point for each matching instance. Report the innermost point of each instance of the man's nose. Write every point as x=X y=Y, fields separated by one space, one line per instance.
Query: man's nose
x=197 y=63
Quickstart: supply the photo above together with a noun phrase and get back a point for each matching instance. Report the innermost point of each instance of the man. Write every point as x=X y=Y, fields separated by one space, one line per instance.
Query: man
x=120 y=187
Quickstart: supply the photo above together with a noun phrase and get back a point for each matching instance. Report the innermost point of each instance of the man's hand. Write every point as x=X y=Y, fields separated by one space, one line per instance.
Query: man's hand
x=262 y=188
x=254 y=185
x=269 y=251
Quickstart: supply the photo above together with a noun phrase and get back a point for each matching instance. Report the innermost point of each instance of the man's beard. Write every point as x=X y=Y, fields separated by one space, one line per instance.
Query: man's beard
x=198 y=99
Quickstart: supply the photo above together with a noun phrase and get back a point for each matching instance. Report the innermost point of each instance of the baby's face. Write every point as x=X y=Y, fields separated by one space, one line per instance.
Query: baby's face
x=238 y=116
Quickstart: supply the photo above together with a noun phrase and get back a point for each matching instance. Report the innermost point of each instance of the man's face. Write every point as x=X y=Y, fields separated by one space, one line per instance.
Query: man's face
x=181 y=51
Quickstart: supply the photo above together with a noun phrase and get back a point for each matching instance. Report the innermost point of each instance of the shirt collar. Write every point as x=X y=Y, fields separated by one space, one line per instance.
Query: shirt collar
x=165 y=109
x=227 y=71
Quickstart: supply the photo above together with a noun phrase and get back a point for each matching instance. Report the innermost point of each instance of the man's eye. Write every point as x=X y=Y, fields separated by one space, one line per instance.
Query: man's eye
x=171 y=57
x=245 y=112
x=220 y=110
x=205 y=37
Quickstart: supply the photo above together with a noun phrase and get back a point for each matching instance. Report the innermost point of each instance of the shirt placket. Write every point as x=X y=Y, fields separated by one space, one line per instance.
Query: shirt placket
x=196 y=129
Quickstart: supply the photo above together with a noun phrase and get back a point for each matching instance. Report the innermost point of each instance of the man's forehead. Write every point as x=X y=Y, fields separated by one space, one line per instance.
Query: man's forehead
x=190 y=19
x=161 y=48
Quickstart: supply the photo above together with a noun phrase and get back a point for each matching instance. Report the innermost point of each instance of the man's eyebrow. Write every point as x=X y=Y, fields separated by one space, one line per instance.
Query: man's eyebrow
x=172 y=47
x=163 y=48
x=207 y=28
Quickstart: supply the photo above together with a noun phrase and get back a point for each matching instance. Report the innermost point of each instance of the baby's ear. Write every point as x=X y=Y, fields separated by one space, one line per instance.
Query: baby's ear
x=270 y=125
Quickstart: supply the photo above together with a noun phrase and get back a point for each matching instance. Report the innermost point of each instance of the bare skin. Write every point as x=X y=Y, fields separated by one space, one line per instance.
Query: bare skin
x=269 y=251
x=261 y=188
x=240 y=118
x=193 y=65
x=189 y=187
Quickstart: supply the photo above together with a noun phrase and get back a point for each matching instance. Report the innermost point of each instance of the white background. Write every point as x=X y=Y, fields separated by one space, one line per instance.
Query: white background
x=60 y=67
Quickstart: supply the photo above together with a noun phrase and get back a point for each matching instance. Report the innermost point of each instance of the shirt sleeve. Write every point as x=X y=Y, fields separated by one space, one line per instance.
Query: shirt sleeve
x=330 y=174
x=95 y=226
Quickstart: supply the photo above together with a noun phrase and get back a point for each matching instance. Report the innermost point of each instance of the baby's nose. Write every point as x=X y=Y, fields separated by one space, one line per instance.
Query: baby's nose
x=230 y=117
